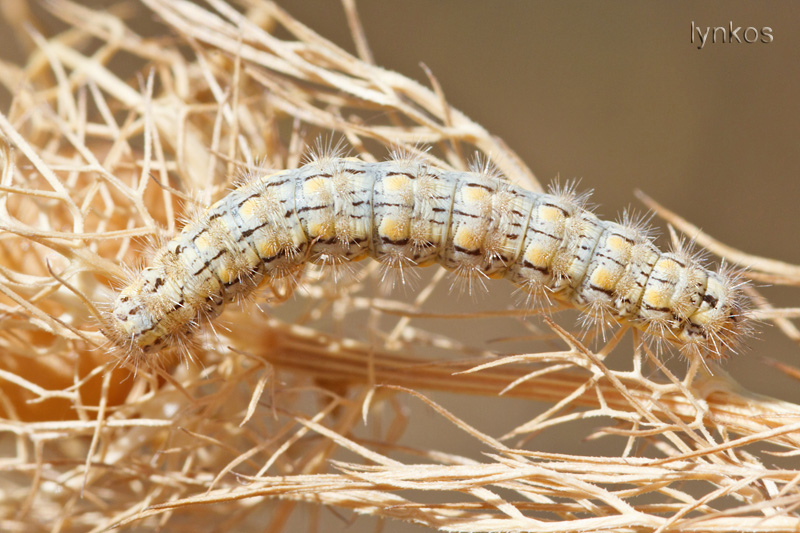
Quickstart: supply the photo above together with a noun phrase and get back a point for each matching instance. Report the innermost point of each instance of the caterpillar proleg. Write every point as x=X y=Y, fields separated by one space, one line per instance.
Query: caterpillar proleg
x=409 y=213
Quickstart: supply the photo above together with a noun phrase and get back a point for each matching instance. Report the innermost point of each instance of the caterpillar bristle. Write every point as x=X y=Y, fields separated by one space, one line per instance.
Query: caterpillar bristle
x=396 y=271
x=483 y=165
x=598 y=318
x=469 y=279
x=340 y=270
x=638 y=223
x=412 y=156
x=567 y=191
x=534 y=296
x=326 y=151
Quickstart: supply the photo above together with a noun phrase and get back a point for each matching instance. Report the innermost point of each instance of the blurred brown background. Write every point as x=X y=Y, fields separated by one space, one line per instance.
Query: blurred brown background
x=616 y=94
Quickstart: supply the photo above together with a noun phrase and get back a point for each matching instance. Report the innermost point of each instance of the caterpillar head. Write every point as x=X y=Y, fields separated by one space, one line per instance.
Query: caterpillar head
x=720 y=321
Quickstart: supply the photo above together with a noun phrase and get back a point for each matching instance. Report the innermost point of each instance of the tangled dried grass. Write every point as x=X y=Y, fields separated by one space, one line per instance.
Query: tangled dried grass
x=312 y=408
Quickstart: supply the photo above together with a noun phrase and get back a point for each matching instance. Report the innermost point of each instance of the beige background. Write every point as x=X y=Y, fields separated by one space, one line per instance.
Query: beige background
x=616 y=94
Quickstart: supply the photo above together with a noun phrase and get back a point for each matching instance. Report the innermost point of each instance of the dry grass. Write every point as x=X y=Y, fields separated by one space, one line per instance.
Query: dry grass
x=96 y=162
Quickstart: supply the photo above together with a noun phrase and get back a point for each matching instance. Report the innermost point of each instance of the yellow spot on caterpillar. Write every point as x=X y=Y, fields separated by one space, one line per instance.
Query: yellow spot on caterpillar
x=538 y=257
x=225 y=274
x=659 y=298
x=314 y=186
x=393 y=229
x=203 y=243
x=322 y=230
x=251 y=208
x=467 y=238
x=617 y=244
x=396 y=183
x=268 y=248
x=550 y=214
x=669 y=267
x=475 y=194
x=603 y=279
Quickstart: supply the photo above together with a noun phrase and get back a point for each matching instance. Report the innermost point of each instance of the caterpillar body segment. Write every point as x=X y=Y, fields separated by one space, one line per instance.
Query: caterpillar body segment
x=406 y=213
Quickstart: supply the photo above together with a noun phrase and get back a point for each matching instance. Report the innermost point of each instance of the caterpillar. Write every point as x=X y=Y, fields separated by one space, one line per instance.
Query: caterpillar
x=405 y=212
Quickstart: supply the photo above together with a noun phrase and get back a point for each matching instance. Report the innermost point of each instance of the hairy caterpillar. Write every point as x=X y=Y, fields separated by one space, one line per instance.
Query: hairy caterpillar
x=406 y=213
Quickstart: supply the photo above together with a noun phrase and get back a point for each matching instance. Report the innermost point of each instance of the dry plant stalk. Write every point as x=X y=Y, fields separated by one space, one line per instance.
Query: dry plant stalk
x=271 y=412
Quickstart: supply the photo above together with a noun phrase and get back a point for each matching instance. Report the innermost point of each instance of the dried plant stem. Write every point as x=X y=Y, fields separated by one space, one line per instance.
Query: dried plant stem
x=317 y=406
